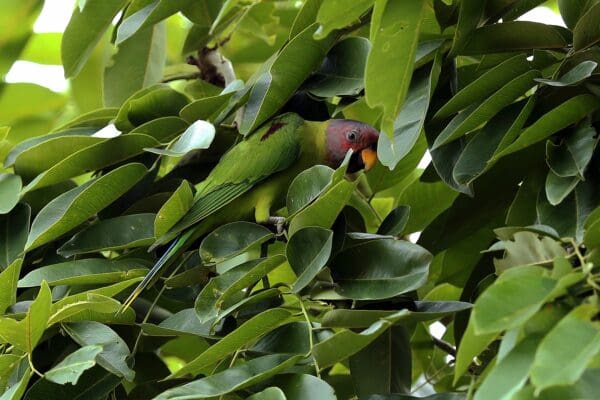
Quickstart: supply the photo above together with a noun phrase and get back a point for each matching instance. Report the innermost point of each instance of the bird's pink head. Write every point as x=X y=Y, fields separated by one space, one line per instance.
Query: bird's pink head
x=346 y=134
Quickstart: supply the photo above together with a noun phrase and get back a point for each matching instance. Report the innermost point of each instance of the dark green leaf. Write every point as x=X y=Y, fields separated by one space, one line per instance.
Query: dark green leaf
x=587 y=31
x=124 y=232
x=304 y=386
x=395 y=222
x=114 y=350
x=573 y=154
x=232 y=239
x=14 y=228
x=10 y=188
x=307 y=252
x=573 y=77
x=69 y=370
x=307 y=186
x=8 y=284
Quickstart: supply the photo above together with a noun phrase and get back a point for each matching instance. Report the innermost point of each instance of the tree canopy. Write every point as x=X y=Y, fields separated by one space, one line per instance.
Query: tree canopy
x=474 y=277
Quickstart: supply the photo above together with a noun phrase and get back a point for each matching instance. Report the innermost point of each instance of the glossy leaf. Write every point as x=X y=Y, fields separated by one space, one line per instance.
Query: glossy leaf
x=565 y=351
x=95 y=383
x=307 y=186
x=336 y=14
x=572 y=156
x=307 y=252
x=232 y=379
x=398 y=268
x=9 y=278
x=10 y=188
x=395 y=222
x=72 y=366
x=248 y=331
x=342 y=71
x=173 y=209
x=574 y=76
x=394 y=30
x=85 y=271
x=75 y=206
x=500 y=307
x=198 y=135
x=587 y=32
x=14 y=228
x=114 y=350
x=297 y=386
x=232 y=239
x=124 y=232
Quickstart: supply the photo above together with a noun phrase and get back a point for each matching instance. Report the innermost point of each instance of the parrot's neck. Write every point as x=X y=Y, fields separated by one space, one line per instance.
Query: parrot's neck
x=313 y=141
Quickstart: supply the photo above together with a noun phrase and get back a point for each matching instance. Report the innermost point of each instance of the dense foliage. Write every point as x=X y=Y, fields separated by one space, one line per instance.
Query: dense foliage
x=338 y=302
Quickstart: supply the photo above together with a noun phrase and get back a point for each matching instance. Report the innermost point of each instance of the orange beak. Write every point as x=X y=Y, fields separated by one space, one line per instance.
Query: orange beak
x=369 y=158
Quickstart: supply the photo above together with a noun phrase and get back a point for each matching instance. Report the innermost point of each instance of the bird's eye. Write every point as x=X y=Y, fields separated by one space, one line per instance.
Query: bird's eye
x=351 y=136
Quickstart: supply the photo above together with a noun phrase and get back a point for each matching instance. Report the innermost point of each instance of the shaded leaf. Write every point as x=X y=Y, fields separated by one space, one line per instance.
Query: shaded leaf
x=307 y=186
x=10 y=188
x=173 y=209
x=232 y=239
x=574 y=76
x=72 y=366
x=587 y=32
x=14 y=228
x=307 y=252
x=8 y=284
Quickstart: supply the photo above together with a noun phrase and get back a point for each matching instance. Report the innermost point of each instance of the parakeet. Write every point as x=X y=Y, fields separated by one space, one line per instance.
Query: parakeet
x=254 y=175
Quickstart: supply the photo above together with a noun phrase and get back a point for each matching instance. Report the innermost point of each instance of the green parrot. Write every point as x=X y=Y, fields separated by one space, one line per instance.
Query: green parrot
x=254 y=175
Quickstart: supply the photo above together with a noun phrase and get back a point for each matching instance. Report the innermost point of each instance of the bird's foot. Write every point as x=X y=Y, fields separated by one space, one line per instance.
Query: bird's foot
x=278 y=222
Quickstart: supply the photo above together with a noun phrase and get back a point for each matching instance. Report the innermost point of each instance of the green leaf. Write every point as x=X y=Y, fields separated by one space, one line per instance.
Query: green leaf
x=324 y=211
x=216 y=294
x=420 y=312
x=281 y=76
x=232 y=379
x=512 y=299
x=138 y=64
x=232 y=239
x=304 y=386
x=572 y=10
x=207 y=108
x=124 y=232
x=510 y=374
x=183 y=322
x=307 y=186
x=270 y=393
x=394 y=34
x=292 y=338
x=147 y=16
x=38 y=157
x=26 y=334
x=567 y=349
x=84 y=31
x=399 y=267
x=558 y=188
x=149 y=104
x=572 y=156
x=574 y=76
x=16 y=391
x=75 y=206
x=475 y=115
x=526 y=248
x=94 y=157
x=305 y=17
x=469 y=17
x=95 y=307
x=72 y=366
x=410 y=120
x=475 y=157
x=569 y=112
x=515 y=36
x=8 y=284
x=95 y=383
x=471 y=345
x=307 y=252
x=10 y=188
x=587 y=32
x=337 y=14
x=114 y=350
x=174 y=208
x=198 y=135
x=162 y=129
x=14 y=228
x=342 y=72
x=384 y=366
x=85 y=271
x=395 y=222
x=247 y=332
x=485 y=85
x=345 y=343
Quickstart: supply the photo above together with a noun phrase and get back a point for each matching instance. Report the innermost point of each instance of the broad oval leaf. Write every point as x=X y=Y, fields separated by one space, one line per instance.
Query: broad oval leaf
x=342 y=71
x=395 y=222
x=399 y=267
x=84 y=272
x=198 y=135
x=587 y=31
x=511 y=300
x=114 y=349
x=307 y=252
x=307 y=186
x=336 y=14
x=10 y=189
x=72 y=366
x=124 y=232
x=232 y=239
x=75 y=206
x=173 y=209
x=303 y=386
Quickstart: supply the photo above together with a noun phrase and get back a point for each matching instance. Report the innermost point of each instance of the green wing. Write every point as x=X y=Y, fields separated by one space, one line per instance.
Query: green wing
x=271 y=149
